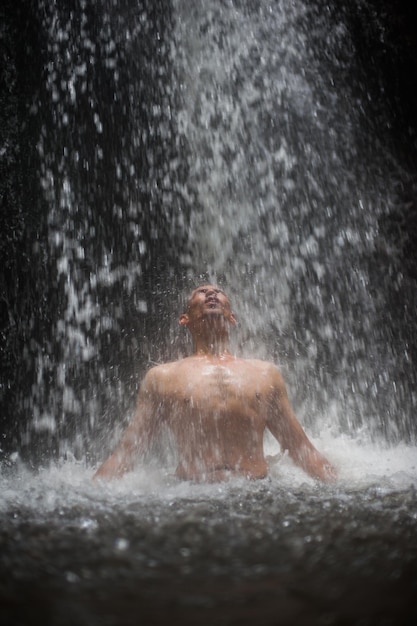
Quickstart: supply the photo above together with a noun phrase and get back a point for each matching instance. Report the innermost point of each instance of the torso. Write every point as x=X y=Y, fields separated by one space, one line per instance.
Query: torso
x=216 y=410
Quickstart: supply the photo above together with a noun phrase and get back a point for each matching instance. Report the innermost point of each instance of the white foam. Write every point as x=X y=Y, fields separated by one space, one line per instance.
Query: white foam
x=69 y=483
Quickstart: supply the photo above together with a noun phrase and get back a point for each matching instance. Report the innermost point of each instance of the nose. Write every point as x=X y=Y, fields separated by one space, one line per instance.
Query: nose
x=211 y=293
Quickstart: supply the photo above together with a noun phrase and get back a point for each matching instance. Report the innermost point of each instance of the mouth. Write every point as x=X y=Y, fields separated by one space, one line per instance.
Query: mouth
x=212 y=302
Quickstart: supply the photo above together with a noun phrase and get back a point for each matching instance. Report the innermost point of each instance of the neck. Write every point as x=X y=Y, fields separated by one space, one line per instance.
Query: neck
x=211 y=344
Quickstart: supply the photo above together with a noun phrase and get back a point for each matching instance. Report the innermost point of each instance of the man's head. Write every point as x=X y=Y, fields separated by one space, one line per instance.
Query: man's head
x=207 y=304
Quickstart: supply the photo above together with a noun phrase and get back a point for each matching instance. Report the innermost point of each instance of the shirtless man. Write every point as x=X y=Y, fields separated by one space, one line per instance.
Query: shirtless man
x=216 y=405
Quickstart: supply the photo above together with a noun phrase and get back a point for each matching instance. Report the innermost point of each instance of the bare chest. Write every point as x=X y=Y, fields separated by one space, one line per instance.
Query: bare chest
x=213 y=387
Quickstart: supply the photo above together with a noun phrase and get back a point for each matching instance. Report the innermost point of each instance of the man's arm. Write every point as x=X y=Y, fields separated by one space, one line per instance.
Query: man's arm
x=285 y=427
x=136 y=438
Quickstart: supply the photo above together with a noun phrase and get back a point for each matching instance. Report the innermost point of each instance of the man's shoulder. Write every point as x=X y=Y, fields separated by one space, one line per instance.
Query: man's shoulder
x=266 y=371
x=261 y=365
x=164 y=370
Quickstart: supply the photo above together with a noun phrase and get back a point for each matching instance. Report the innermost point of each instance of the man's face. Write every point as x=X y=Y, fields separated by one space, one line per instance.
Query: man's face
x=209 y=301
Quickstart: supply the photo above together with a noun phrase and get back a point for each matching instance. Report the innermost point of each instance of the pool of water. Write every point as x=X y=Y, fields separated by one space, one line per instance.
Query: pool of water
x=151 y=550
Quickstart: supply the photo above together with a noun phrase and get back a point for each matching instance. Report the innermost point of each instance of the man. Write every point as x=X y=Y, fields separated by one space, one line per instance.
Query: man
x=217 y=407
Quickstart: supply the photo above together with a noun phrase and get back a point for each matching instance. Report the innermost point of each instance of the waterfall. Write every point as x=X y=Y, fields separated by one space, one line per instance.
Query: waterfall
x=156 y=143
x=148 y=145
x=100 y=195
x=293 y=185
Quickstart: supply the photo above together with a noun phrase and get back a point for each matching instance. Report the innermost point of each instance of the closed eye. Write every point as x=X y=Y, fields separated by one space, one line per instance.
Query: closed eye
x=206 y=290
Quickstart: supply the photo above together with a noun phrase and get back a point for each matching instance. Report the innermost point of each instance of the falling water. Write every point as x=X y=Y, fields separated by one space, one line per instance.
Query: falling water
x=162 y=144
x=286 y=210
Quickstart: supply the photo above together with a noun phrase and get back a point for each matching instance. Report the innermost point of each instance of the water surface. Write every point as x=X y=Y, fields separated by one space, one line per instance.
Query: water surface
x=151 y=549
